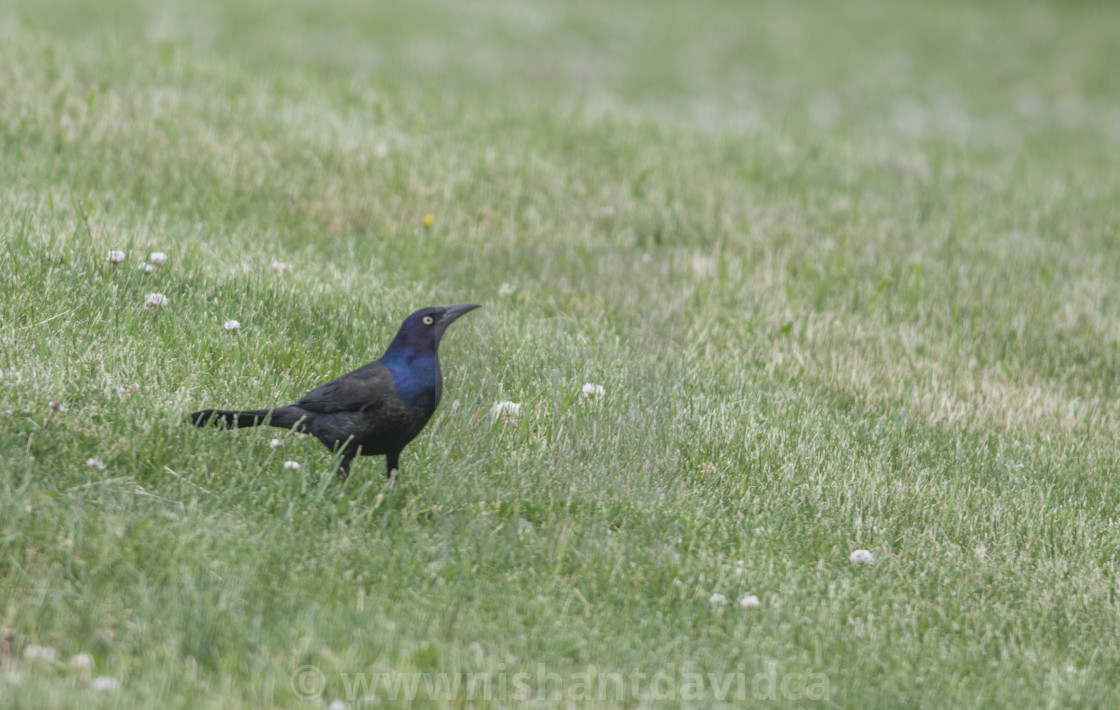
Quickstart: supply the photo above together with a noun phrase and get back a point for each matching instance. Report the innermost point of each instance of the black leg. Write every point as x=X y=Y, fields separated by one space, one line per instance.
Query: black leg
x=392 y=463
x=348 y=451
x=344 y=466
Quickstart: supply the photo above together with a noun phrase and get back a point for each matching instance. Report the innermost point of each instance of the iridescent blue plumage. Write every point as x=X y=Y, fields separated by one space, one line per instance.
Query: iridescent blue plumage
x=417 y=378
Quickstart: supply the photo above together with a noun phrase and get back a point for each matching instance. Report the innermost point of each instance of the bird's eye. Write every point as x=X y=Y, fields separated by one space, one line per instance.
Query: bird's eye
x=428 y=320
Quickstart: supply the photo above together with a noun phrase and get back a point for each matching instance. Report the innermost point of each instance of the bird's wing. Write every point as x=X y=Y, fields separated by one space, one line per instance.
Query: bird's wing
x=365 y=387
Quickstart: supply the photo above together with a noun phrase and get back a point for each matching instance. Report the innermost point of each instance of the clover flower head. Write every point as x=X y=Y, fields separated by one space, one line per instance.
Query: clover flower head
x=861 y=557
x=592 y=391
x=34 y=653
x=506 y=411
x=155 y=301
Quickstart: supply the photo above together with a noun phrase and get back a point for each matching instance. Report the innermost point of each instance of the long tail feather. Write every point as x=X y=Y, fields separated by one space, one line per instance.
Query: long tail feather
x=282 y=417
x=230 y=419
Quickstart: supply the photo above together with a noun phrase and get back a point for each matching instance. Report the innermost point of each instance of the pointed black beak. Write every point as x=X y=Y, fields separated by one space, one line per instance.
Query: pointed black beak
x=453 y=312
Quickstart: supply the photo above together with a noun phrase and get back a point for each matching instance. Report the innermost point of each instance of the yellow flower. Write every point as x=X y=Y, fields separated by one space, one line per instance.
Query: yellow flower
x=428 y=220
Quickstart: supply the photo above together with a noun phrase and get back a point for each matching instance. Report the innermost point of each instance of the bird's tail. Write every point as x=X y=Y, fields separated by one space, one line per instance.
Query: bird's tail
x=283 y=417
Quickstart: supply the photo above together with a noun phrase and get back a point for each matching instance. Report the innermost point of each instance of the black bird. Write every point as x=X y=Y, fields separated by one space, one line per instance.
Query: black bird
x=374 y=410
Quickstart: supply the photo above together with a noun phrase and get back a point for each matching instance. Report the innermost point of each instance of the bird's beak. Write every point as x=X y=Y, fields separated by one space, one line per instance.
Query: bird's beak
x=453 y=312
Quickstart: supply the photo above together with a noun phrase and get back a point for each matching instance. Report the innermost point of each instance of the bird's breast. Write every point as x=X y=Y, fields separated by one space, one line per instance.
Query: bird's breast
x=419 y=384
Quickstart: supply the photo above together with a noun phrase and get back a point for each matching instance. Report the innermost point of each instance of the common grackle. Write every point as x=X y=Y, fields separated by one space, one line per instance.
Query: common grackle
x=374 y=410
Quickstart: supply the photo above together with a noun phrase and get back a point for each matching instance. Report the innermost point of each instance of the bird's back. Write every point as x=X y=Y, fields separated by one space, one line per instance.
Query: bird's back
x=368 y=386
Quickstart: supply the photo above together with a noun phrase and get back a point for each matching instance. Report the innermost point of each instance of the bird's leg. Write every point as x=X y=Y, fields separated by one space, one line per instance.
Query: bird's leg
x=344 y=466
x=346 y=451
x=392 y=463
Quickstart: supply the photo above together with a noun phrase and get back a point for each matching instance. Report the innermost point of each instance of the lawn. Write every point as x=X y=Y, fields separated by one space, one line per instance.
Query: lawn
x=847 y=274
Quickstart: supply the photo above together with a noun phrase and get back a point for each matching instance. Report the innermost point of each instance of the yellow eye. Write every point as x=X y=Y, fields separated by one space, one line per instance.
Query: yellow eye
x=428 y=320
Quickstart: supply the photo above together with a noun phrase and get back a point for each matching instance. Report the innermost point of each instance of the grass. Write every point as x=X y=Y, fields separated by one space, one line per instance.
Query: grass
x=847 y=276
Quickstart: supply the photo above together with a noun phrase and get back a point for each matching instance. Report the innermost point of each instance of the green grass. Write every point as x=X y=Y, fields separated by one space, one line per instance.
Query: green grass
x=847 y=274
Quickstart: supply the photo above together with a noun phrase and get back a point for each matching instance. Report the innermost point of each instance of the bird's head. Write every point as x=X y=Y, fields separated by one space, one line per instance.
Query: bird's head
x=421 y=331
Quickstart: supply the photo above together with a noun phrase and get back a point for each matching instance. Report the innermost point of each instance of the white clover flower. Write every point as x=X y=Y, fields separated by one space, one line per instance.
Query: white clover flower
x=276 y=444
x=96 y=463
x=81 y=664
x=146 y=268
x=116 y=256
x=131 y=389
x=231 y=324
x=291 y=465
x=717 y=599
x=6 y=413
x=506 y=290
x=592 y=391
x=506 y=411
x=34 y=653
x=861 y=557
x=278 y=267
x=104 y=684
x=749 y=601
x=57 y=406
x=158 y=258
x=155 y=301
